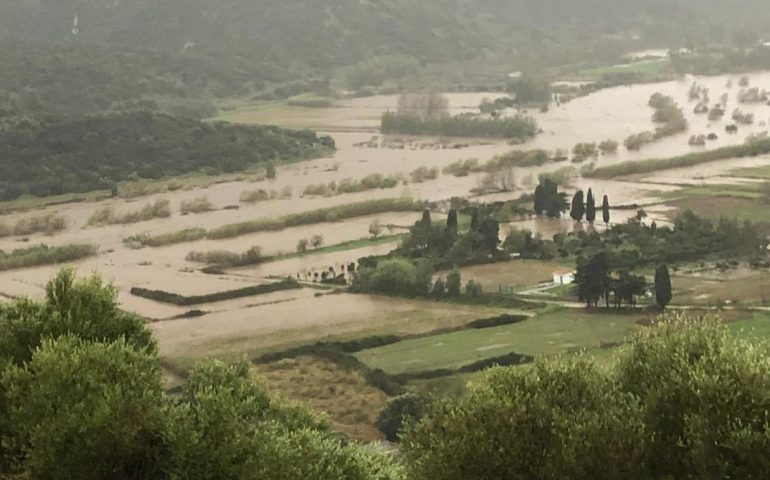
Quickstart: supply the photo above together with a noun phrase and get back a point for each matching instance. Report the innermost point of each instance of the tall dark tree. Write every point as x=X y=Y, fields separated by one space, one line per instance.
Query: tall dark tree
x=475 y=220
x=490 y=230
x=578 y=206
x=451 y=221
x=593 y=279
x=425 y=221
x=590 y=207
x=539 y=200
x=663 y=292
x=606 y=210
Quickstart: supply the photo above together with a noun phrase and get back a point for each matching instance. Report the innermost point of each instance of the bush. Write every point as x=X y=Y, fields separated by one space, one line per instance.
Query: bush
x=399 y=411
x=463 y=168
x=182 y=236
x=687 y=400
x=107 y=216
x=48 y=224
x=197 y=205
x=44 y=255
x=497 y=321
x=423 y=174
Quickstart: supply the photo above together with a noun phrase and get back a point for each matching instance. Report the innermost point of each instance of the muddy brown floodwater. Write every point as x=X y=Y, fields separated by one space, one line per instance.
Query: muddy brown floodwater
x=608 y=114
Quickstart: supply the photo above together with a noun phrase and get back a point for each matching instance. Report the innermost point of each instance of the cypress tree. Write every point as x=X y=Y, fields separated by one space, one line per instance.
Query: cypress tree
x=590 y=207
x=606 y=210
x=475 y=220
x=426 y=221
x=663 y=293
x=451 y=221
x=578 y=207
x=539 y=199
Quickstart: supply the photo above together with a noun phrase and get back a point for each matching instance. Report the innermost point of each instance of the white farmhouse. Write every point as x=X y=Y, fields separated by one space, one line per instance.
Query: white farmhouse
x=564 y=277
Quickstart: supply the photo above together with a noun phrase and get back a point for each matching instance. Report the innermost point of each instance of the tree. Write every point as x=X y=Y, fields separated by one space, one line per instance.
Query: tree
x=451 y=222
x=86 y=410
x=578 y=207
x=270 y=171
x=663 y=292
x=606 y=210
x=454 y=283
x=593 y=279
x=687 y=399
x=375 y=229
x=475 y=220
x=393 y=417
x=590 y=207
x=539 y=206
x=425 y=221
x=86 y=308
x=490 y=230
x=317 y=241
x=302 y=245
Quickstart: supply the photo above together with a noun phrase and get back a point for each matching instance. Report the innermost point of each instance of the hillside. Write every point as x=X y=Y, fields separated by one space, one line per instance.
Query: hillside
x=54 y=156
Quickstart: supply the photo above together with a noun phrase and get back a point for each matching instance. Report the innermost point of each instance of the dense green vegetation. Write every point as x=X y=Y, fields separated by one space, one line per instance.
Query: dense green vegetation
x=44 y=255
x=77 y=350
x=686 y=400
x=518 y=127
x=52 y=156
x=759 y=147
x=182 y=300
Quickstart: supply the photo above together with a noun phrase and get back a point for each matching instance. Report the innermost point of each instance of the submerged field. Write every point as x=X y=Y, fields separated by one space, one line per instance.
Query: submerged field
x=434 y=336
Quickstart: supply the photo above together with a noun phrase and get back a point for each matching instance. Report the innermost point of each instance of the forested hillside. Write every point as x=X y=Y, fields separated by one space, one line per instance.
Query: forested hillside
x=55 y=156
x=106 y=53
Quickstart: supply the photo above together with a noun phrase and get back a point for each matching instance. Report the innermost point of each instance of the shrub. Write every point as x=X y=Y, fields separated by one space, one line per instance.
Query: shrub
x=197 y=205
x=47 y=224
x=107 y=216
x=423 y=174
x=182 y=236
x=44 y=255
x=398 y=411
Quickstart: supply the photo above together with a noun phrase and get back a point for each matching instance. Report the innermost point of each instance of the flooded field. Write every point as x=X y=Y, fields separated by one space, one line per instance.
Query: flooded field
x=278 y=318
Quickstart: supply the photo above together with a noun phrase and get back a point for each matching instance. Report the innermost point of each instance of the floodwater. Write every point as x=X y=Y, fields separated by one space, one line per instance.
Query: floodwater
x=609 y=114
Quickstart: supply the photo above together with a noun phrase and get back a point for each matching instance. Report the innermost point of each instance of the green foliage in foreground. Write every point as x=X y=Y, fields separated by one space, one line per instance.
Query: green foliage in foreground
x=752 y=149
x=687 y=400
x=44 y=255
x=55 y=156
x=459 y=126
x=81 y=397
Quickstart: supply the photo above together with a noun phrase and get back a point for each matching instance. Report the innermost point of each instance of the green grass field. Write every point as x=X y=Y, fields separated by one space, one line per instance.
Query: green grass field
x=762 y=173
x=554 y=333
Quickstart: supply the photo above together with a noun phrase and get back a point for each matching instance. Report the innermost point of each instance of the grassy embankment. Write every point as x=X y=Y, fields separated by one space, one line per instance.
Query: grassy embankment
x=324 y=215
x=623 y=169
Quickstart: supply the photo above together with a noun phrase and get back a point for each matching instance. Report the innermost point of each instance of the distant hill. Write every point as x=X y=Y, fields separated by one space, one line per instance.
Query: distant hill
x=81 y=56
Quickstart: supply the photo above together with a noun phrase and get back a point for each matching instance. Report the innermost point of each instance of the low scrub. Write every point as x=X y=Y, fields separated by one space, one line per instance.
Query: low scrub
x=44 y=255
x=497 y=321
x=196 y=205
x=507 y=360
x=182 y=236
x=753 y=149
x=333 y=214
x=185 y=301
x=519 y=127
x=47 y=224
x=108 y=216
x=423 y=174
x=348 y=185
x=262 y=195
x=225 y=259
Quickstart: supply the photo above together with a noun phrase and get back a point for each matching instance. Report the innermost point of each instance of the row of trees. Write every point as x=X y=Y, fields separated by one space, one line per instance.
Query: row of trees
x=587 y=209
x=597 y=278
x=550 y=201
